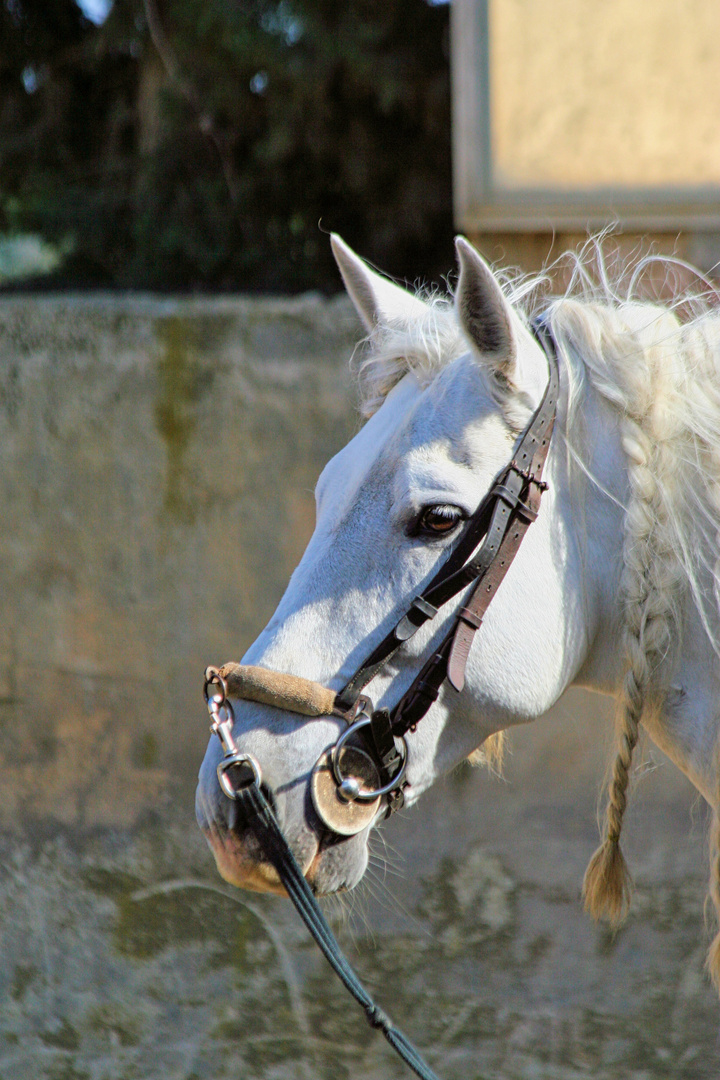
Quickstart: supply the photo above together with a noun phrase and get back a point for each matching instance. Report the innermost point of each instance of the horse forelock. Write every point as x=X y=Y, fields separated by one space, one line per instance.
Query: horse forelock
x=422 y=346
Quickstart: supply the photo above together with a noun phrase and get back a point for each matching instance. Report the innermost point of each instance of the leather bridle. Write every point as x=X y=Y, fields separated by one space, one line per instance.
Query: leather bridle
x=481 y=557
x=500 y=522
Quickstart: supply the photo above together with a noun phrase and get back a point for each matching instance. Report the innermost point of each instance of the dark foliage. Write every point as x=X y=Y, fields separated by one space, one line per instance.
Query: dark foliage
x=212 y=165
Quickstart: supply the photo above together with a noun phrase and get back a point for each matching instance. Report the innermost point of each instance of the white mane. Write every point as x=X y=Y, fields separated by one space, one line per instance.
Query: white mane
x=658 y=365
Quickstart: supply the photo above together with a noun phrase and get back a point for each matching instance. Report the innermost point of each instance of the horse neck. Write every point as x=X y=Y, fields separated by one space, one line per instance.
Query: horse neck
x=647 y=639
x=592 y=475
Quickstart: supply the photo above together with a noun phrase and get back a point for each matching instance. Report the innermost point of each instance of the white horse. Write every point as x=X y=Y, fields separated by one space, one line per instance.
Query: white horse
x=615 y=587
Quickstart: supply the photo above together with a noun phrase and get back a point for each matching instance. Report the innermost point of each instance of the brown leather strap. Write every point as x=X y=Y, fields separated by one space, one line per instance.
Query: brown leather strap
x=471 y=616
x=276 y=688
x=468 y=615
x=528 y=462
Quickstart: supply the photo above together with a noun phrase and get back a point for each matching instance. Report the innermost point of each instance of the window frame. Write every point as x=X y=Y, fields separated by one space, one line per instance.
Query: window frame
x=482 y=205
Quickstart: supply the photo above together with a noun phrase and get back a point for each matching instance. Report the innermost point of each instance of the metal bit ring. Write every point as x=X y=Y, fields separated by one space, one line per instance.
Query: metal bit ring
x=346 y=784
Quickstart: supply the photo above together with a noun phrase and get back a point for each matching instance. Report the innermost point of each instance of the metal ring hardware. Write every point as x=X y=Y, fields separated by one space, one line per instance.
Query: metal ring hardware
x=230 y=787
x=348 y=786
x=214 y=678
x=222 y=722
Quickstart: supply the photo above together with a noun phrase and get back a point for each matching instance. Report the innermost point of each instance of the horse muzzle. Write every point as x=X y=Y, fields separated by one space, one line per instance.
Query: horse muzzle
x=337 y=800
x=330 y=863
x=348 y=784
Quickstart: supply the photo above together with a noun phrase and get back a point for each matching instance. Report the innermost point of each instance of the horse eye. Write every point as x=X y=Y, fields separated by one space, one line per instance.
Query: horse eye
x=438 y=520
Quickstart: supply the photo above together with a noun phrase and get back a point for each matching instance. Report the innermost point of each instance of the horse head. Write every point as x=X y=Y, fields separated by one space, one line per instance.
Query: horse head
x=448 y=387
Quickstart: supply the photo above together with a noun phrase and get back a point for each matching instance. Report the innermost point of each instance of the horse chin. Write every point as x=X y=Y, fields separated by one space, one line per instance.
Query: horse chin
x=331 y=870
x=240 y=870
x=338 y=868
x=238 y=862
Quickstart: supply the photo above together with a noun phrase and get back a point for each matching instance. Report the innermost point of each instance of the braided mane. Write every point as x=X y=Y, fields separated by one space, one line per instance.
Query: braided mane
x=660 y=372
x=658 y=365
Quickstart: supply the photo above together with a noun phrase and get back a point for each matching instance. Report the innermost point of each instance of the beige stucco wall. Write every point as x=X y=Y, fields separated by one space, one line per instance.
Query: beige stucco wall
x=620 y=93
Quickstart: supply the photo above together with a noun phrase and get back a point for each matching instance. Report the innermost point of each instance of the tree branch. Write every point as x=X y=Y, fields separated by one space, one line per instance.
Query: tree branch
x=185 y=87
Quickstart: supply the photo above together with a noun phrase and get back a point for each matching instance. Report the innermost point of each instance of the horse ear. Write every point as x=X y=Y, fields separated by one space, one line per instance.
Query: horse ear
x=483 y=311
x=376 y=298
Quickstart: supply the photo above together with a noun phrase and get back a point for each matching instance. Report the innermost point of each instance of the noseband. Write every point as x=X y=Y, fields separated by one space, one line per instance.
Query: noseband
x=481 y=558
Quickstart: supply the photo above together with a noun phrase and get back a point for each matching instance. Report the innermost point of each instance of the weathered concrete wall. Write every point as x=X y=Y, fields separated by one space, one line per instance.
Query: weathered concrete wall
x=158 y=464
x=158 y=461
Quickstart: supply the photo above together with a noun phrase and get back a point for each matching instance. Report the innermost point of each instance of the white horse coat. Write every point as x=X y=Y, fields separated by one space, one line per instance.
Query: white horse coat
x=614 y=586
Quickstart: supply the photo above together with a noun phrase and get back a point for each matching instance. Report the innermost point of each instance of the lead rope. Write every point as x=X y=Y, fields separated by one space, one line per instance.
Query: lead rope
x=261 y=818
